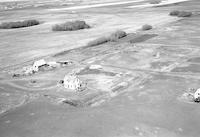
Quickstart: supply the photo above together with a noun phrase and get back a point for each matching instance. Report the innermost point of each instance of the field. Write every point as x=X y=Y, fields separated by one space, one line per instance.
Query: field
x=136 y=76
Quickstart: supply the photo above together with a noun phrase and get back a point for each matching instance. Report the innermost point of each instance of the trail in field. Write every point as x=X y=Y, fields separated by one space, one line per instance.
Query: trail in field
x=96 y=5
x=163 y=3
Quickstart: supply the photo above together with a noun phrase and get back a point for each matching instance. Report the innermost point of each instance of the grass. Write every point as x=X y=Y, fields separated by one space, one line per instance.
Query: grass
x=113 y=37
x=141 y=38
x=146 y=27
x=117 y=35
x=18 y=24
x=71 y=26
x=180 y=13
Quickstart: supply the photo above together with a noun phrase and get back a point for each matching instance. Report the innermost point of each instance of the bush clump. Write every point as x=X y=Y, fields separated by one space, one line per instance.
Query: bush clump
x=18 y=24
x=146 y=27
x=180 y=13
x=113 y=37
x=155 y=2
x=174 y=13
x=185 y=14
x=117 y=35
x=98 y=41
x=70 y=26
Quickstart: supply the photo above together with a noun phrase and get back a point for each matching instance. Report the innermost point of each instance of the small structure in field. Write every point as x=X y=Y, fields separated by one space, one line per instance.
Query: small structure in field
x=53 y=64
x=28 y=70
x=95 y=67
x=72 y=82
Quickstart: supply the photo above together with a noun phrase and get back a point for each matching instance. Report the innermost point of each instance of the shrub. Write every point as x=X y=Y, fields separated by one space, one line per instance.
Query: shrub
x=146 y=27
x=70 y=26
x=18 y=24
x=174 y=13
x=117 y=35
x=155 y=2
x=98 y=41
x=180 y=13
x=113 y=37
x=185 y=14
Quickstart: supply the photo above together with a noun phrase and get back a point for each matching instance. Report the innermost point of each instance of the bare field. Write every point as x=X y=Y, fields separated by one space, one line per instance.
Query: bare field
x=135 y=83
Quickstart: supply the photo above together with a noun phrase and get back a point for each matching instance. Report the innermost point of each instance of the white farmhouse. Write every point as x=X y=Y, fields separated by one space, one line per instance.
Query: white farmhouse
x=38 y=64
x=71 y=81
